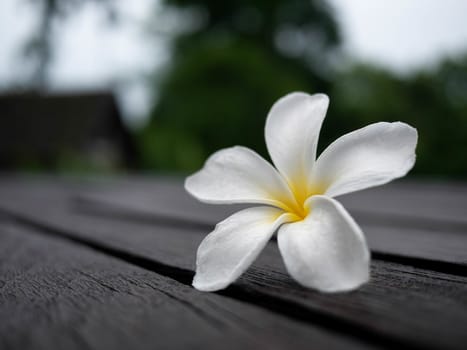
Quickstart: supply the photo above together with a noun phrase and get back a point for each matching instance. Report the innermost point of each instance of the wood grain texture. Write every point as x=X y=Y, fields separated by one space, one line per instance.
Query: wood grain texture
x=385 y=236
x=407 y=201
x=393 y=217
x=55 y=294
x=402 y=305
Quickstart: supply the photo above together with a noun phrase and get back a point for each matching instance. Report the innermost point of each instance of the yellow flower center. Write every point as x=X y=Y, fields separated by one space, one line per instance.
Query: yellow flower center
x=301 y=192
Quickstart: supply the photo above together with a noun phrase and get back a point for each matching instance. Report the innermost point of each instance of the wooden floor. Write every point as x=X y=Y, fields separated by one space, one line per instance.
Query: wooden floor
x=108 y=264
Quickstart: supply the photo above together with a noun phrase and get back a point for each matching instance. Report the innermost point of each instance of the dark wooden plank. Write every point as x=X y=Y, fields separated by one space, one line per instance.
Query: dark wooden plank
x=164 y=201
x=418 y=203
x=433 y=202
x=402 y=304
x=55 y=294
x=424 y=201
x=442 y=246
x=394 y=238
x=388 y=232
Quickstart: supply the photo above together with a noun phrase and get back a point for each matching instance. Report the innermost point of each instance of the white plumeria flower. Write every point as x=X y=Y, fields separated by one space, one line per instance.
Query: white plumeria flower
x=322 y=246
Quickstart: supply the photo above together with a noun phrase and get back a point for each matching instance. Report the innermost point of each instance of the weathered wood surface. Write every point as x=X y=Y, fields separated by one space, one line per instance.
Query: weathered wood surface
x=417 y=296
x=57 y=294
x=416 y=220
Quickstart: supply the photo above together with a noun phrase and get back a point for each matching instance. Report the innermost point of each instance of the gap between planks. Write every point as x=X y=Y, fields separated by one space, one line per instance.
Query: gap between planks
x=282 y=308
x=107 y=210
x=154 y=201
x=39 y=216
x=73 y=296
x=255 y=296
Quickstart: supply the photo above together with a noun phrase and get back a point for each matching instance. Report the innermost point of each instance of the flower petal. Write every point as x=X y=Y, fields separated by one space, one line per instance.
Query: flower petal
x=292 y=130
x=367 y=157
x=238 y=175
x=327 y=250
x=234 y=244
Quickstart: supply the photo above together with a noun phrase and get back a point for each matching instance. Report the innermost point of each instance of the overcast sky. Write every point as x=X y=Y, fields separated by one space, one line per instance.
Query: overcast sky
x=398 y=34
x=403 y=34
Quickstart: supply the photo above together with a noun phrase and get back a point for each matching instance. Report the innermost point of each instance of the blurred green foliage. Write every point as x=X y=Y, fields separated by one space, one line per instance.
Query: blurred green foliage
x=435 y=102
x=227 y=71
x=216 y=98
x=231 y=60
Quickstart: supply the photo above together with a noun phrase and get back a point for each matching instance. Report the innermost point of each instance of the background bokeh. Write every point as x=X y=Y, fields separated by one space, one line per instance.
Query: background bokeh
x=194 y=76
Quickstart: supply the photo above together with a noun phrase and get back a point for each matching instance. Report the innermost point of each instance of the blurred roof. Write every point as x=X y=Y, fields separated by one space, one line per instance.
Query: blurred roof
x=47 y=124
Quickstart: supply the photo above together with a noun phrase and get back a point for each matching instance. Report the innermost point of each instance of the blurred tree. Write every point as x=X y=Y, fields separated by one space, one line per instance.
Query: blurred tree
x=39 y=49
x=228 y=68
x=435 y=102
x=232 y=59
